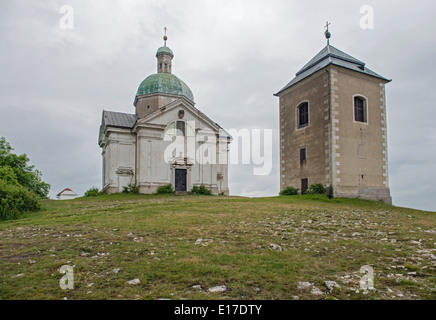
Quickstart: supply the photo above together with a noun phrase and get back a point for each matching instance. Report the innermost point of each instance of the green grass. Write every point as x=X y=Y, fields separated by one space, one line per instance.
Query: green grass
x=153 y=238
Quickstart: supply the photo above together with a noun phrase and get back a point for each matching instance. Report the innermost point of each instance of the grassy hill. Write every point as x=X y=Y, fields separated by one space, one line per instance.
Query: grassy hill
x=180 y=246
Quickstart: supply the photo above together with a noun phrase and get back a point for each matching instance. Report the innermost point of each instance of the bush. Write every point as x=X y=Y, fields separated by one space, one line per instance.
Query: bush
x=92 y=192
x=16 y=199
x=317 y=188
x=289 y=191
x=130 y=188
x=26 y=175
x=166 y=189
x=201 y=190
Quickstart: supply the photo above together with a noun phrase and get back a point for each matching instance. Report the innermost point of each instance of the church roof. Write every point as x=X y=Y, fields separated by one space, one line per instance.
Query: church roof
x=164 y=83
x=330 y=55
x=66 y=191
x=118 y=119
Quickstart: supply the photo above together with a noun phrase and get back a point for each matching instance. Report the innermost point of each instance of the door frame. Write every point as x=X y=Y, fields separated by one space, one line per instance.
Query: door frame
x=188 y=176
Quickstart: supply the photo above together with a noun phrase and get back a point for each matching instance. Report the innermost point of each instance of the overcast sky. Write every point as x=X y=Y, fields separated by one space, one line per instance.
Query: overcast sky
x=232 y=54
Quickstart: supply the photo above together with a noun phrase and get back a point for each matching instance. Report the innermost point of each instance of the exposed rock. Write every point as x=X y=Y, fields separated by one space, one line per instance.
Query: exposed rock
x=134 y=281
x=331 y=285
x=304 y=285
x=316 y=291
x=203 y=242
x=274 y=246
x=218 y=289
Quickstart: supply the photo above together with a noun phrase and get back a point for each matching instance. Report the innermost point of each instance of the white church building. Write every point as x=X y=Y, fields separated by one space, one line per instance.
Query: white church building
x=166 y=141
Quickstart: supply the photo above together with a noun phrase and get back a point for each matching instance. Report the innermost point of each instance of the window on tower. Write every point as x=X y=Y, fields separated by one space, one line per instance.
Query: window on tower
x=360 y=109
x=303 y=154
x=303 y=115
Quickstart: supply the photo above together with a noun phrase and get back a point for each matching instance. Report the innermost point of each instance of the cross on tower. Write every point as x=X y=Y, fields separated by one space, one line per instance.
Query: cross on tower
x=327 y=33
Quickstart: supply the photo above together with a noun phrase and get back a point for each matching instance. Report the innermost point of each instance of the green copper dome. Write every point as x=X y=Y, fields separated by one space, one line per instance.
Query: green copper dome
x=164 y=49
x=164 y=83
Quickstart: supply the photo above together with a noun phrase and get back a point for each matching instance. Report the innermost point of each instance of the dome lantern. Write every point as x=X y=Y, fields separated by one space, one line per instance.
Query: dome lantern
x=160 y=88
x=164 y=57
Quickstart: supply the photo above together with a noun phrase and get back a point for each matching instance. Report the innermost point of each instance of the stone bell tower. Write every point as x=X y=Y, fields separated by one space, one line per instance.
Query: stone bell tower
x=333 y=127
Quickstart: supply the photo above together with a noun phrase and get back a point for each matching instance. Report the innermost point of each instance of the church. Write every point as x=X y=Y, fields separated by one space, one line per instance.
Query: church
x=333 y=127
x=166 y=141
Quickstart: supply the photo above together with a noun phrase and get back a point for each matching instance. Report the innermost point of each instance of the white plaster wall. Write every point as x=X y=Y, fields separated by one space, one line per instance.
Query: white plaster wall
x=154 y=170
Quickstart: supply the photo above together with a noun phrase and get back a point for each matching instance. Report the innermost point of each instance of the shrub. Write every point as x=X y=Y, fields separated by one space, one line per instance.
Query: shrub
x=92 y=192
x=26 y=175
x=130 y=188
x=16 y=199
x=166 y=189
x=316 y=188
x=201 y=190
x=289 y=191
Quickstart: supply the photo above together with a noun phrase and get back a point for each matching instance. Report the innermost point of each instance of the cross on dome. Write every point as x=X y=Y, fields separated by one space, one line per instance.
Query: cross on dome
x=165 y=37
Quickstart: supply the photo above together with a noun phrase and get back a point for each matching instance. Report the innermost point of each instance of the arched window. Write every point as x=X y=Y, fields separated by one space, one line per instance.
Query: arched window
x=180 y=128
x=303 y=114
x=360 y=109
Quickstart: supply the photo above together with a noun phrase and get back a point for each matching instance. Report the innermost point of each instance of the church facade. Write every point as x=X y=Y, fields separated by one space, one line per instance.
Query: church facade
x=333 y=128
x=166 y=141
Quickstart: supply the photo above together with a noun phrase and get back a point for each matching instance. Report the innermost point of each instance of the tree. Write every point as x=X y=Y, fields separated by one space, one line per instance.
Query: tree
x=16 y=168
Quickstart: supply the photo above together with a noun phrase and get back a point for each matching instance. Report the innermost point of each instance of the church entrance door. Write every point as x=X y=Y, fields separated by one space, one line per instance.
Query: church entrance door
x=180 y=180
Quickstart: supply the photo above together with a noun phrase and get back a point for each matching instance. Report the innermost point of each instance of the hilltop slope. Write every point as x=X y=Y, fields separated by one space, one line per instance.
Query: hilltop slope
x=178 y=247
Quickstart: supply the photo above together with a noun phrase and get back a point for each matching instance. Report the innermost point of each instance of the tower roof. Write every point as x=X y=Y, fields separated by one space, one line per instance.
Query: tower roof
x=331 y=55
